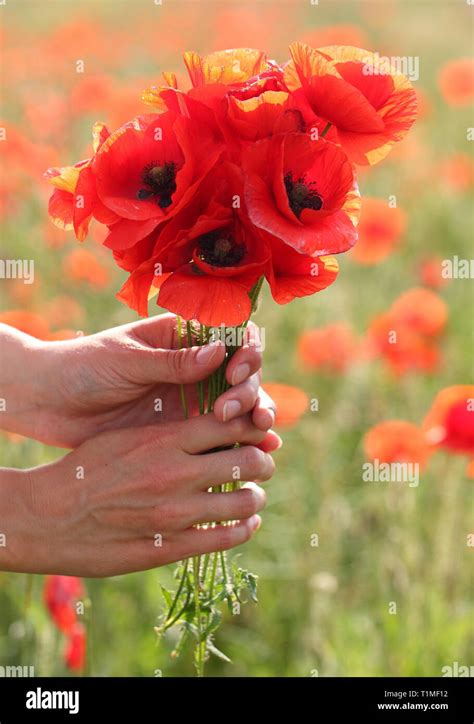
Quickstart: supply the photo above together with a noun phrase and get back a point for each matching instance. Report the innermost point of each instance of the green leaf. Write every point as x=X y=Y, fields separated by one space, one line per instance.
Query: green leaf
x=216 y=652
x=214 y=623
x=252 y=583
x=167 y=596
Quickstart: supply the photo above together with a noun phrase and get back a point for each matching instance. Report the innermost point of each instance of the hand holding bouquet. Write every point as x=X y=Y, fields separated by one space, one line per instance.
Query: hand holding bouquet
x=249 y=175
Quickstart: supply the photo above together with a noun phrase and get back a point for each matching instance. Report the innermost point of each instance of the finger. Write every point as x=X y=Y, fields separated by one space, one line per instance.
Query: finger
x=271 y=442
x=158 y=331
x=244 y=463
x=237 y=505
x=237 y=400
x=182 y=366
x=247 y=359
x=264 y=411
x=205 y=432
x=196 y=541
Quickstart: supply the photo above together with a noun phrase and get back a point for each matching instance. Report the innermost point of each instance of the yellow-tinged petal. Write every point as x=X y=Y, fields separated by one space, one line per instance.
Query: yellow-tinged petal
x=330 y=263
x=99 y=135
x=225 y=66
x=64 y=178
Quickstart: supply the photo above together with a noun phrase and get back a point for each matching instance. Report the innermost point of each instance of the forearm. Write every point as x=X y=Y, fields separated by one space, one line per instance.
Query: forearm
x=22 y=360
x=15 y=521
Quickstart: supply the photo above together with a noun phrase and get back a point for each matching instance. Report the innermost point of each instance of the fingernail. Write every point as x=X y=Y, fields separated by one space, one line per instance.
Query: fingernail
x=272 y=415
x=257 y=523
x=241 y=373
x=231 y=409
x=206 y=353
x=279 y=440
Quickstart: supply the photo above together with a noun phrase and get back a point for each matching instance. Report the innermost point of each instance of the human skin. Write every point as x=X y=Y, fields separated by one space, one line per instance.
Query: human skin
x=63 y=393
x=130 y=494
x=127 y=500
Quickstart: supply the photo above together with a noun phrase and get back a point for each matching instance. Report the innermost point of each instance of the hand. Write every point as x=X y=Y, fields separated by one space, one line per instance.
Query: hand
x=126 y=500
x=62 y=393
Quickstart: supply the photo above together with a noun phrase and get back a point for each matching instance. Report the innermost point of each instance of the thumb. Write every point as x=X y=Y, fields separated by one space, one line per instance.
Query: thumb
x=187 y=365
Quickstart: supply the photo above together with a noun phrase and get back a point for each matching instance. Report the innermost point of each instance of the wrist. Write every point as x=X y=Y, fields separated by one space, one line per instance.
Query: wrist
x=23 y=368
x=16 y=521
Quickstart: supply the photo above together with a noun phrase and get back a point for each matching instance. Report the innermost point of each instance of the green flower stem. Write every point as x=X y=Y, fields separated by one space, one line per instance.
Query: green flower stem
x=192 y=604
x=326 y=129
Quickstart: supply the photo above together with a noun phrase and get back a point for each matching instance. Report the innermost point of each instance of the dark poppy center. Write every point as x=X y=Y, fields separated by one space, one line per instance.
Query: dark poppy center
x=301 y=194
x=159 y=182
x=219 y=248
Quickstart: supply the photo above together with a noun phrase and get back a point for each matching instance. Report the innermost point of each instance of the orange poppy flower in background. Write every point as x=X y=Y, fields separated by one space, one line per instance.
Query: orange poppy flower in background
x=27 y=322
x=368 y=106
x=332 y=348
x=81 y=265
x=457 y=172
x=403 y=349
x=450 y=421
x=35 y=325
x=423 y=311
x=380 y=230
x=397 y=441
x=456 y=81
x=430 y=274
x=291 y=402
x=470 y=469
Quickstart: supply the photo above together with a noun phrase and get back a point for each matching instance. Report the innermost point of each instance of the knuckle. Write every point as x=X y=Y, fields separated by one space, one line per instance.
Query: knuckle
x=254 y=460
x=176 y=363
x=250 y=502
x=226 y=538
x=239 y=426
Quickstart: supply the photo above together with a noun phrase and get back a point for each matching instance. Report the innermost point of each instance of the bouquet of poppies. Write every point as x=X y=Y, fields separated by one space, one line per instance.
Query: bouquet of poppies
x=245 y=176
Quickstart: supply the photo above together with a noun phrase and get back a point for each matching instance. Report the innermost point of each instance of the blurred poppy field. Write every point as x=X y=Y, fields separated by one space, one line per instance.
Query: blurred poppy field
x=356 y=577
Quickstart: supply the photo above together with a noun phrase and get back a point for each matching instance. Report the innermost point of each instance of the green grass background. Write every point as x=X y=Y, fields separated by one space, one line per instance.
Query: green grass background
x=322 y=609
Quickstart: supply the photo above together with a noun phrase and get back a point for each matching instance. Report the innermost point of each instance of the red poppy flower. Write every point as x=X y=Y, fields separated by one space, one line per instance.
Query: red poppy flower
x=450 y=420
x=60 y=595
x=331 y=348
x=369 y=110
x=74 y=201
x=303 y=192
x=396 y=441
x=75 y=652
x=204 y=264
x=147 y=174
x=225 y=66
x=379 y=231
x=293 y=275
x=243 y=111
